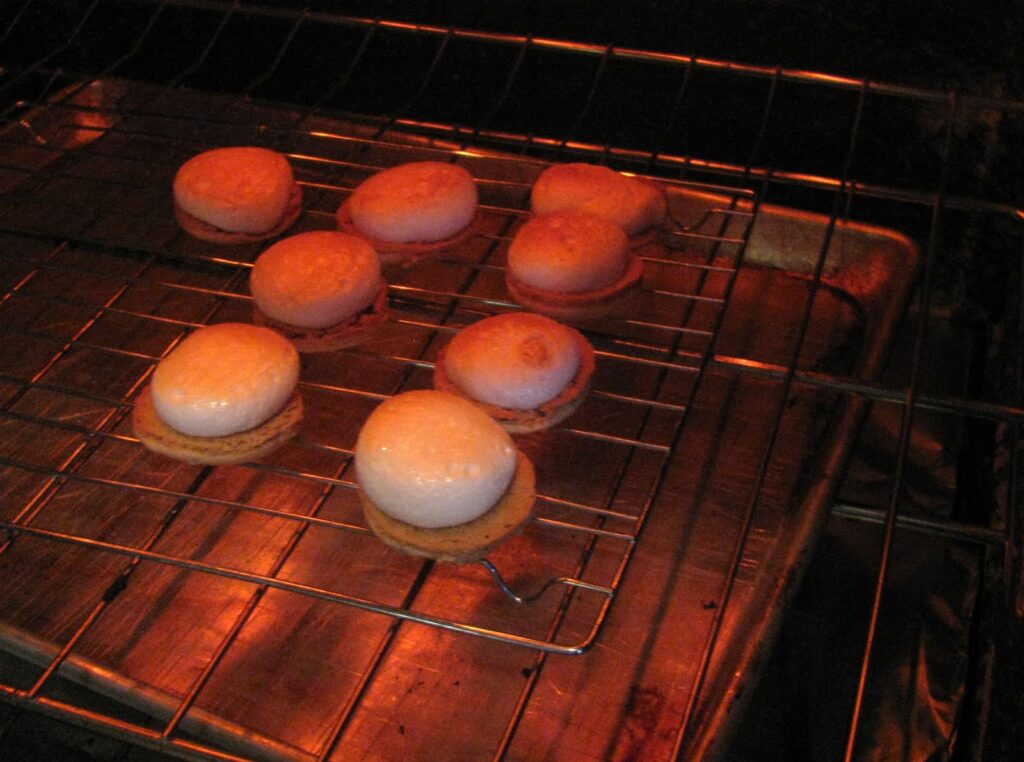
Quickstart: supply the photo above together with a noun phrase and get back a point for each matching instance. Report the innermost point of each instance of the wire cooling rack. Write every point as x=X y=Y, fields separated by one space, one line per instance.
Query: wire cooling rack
x=430 y=303
x=105 y=285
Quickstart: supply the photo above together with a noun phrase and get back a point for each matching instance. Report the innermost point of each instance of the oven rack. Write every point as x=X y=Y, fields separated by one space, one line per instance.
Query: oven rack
x=929 y=207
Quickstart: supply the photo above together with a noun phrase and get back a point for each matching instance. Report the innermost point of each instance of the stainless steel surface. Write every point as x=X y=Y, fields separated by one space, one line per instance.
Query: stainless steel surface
x=247 y=610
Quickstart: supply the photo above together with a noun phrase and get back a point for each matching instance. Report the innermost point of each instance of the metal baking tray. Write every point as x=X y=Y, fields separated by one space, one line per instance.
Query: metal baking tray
x=247 y=612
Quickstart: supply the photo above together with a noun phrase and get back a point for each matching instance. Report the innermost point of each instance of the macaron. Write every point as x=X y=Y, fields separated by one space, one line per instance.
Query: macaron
x=412 y=211
x=636 y=205
x=322 y=290
x=439 y=478
x=572 y=265
x=226 y=394
x=527 y=371
x=238 y=194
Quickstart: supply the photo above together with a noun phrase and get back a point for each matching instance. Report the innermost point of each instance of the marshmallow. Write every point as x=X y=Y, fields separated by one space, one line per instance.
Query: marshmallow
x=316 y=279
x=631 y=203
x=433 y=460
x=417 y=202
x=240 y=189
x=225 y=379
x=517 y=360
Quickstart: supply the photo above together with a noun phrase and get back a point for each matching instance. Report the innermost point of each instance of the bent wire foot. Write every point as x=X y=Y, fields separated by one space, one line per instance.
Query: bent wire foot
x=551 y=582
x=692 y=227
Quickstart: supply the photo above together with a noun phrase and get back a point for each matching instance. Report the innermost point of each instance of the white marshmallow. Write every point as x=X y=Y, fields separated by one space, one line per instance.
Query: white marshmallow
x=568 y=252
x=518 y=360
x=224 y=379
x=632 y=204
x=419 y=202
x=240 y=189
x=316 y=279
x=433 y=460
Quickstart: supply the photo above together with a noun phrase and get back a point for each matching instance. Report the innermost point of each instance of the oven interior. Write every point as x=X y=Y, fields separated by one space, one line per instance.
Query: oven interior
x=792 y=501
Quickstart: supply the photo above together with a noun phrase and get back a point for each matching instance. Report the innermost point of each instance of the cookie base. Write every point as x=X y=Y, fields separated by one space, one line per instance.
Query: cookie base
x=357 y=329
x=207 y=232
x=463 y=543
x=406 y=254
x=551 y=413
x=214 y=451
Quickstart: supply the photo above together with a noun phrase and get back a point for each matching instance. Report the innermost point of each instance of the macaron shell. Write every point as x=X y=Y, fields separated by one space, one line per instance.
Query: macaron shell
x=433 y=460
x=244 y=189
x=224 y=379
x=315 y=279
x=515 y=360
x=414 y=202
x=568 y=251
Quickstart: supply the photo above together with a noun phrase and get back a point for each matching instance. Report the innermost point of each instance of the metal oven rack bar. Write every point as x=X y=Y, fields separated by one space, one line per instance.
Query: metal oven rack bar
x=48 y=88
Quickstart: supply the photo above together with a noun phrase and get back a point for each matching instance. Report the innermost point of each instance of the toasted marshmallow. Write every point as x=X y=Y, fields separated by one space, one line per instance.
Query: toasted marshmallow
x=225 y=379
x=433 y=460
x=240 y=189
x=316 y=279
x=518 y=360
x=568 y=252
x=633 y=204
x=418 y=202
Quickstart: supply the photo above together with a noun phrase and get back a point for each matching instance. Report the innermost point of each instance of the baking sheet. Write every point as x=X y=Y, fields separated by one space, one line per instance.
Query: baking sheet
x=256 y=591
